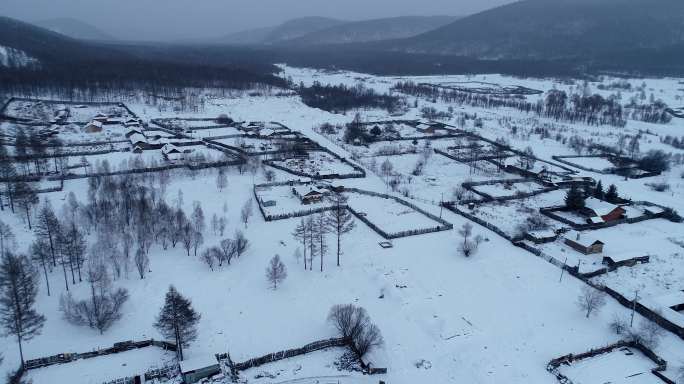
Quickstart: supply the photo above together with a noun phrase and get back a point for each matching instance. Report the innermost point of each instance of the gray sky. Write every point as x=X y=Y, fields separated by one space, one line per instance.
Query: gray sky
x=181 y=19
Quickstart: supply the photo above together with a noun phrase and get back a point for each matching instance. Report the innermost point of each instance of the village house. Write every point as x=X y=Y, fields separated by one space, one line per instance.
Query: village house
x=101 y=118
x=599 y=211
x=172 y=153
x=132 y=123
x=431 y=128
x=93 y=127
x=309 y=194
x=583 y=243
x=138 y=139
x=132 y=132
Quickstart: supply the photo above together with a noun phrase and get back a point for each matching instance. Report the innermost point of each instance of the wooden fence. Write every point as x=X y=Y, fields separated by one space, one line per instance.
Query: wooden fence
x=661 y=364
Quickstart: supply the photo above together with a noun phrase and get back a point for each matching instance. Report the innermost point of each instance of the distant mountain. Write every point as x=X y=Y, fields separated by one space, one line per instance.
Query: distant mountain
x=47 y=46
x=374 y=30
x=558 y=29
x=288 y=30
x=74 y=28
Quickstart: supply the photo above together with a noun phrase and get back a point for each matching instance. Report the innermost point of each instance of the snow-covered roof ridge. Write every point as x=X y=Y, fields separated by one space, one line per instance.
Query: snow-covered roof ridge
x=599 y=206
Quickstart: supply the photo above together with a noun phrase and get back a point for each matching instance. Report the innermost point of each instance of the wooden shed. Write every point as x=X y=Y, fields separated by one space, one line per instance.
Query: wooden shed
x=198 y=368
x=583 y=243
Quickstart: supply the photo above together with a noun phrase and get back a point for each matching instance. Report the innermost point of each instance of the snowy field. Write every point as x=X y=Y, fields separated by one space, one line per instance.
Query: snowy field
x=317 y=163
x=496 y=317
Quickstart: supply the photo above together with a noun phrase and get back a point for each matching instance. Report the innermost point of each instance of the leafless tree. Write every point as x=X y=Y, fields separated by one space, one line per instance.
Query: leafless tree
x=591 y=300
x=276 y=272
x=241 y=243
x=210 y=256
x=221 y=179
x=142 y=262
x=246 y=212
x=197 y=241
x=340 y=220
x=354 y=324
x=103 y=308
x=648 y=334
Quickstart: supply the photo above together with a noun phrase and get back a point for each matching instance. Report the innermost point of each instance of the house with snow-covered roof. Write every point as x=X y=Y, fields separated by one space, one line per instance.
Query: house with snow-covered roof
x=598 y=211
x=172 y=152
x=94 y=126
x=309 y=194
x=583 y=243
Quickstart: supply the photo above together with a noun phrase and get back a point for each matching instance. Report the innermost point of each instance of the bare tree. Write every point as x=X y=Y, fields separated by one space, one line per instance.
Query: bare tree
x=648 y=334
x=210 y=256
x=246 y=212
x=198 y=221
x=221 y=179
x=142 y=262
x=241 y=243
x=276 y=272
x=40 y=253
x=26 y=198
x=340 y=220
x=103 y=308
x=47 y=227
x=197 y=241
x=18 y=291
x=468 y=247
x=591 y=300
x=301 y=233
x=322 y=229
x=227 y=250
x=7 y=239
x=354 y=325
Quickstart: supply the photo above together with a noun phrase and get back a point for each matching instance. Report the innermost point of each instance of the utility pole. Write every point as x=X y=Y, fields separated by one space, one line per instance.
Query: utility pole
x=563 y=269
x=636 y=297
x=441 y=205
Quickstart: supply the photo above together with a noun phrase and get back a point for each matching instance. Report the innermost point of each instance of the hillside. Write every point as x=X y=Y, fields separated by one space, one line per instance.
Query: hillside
x=536 y=29
x=374 y=30
x=74 y=28
x=288 y=30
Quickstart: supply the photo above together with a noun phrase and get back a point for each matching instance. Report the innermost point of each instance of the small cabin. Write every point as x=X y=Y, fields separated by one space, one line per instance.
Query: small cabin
x=583 y=243
x=541 y=236
x=172 y=153
x=308 y=195
x=93 y=127
x=138 y=139
x=198 y=368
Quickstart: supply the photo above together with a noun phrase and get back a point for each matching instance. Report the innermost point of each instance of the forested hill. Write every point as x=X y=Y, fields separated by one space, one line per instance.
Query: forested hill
x=558 y=29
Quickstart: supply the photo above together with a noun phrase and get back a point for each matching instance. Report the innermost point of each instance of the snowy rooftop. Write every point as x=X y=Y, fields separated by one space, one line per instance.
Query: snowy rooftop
x=599 y=206
x=582 y=238
x=198 y=362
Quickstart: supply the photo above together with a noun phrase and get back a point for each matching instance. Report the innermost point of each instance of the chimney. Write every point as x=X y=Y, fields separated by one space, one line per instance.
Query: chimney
x=578 y=236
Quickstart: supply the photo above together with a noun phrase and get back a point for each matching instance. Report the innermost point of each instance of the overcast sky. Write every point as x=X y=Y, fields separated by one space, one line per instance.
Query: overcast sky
x=182 y=19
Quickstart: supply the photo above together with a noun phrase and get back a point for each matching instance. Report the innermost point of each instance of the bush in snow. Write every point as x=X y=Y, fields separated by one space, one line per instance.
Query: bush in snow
x=618 y=325
x=648 y=334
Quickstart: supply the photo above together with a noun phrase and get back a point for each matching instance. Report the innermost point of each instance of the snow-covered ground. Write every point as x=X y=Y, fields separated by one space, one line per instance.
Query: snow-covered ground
x=498 y=316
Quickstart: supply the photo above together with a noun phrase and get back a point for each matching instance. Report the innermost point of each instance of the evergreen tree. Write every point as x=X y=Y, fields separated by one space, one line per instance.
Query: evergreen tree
x=574 y=199
x=178 y=320
x=18 y=290
x=598 y=191
x=612 y=194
